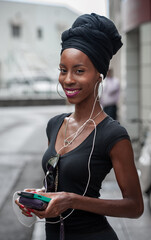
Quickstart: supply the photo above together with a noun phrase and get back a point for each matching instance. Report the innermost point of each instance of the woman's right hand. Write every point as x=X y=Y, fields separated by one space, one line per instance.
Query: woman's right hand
x=27 y=211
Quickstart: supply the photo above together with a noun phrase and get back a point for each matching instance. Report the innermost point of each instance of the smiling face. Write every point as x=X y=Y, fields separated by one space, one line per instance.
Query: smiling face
x=78 y=76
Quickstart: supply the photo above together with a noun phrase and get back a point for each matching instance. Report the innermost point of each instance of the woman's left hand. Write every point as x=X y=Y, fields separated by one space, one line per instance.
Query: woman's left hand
x=60 y=202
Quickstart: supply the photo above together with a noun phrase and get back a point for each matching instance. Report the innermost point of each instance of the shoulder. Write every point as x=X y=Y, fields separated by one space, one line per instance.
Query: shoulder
x=112 y=132
x=113 y=127
x=57 y=118
x=55 y=122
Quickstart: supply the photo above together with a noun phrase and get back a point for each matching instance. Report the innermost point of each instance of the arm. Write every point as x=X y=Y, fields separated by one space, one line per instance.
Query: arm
x=131 y=205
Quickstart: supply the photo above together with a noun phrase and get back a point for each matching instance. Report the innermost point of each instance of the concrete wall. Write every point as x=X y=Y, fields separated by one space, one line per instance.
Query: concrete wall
x=145 y=76
x=115 y=16
x=115 y=63
x=131 y=89
x=132 y=66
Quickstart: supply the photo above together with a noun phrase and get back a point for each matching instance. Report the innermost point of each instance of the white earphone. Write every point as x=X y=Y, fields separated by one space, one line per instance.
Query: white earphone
x=102 y=76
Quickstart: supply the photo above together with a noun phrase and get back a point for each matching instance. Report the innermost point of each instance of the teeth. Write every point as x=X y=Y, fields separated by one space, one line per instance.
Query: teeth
x=70 y=92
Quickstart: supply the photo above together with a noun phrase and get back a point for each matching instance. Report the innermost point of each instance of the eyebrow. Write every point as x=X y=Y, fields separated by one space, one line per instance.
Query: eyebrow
x=75 y=66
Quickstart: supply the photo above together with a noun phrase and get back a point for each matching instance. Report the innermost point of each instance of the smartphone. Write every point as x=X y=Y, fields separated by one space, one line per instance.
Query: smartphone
x=33 y=200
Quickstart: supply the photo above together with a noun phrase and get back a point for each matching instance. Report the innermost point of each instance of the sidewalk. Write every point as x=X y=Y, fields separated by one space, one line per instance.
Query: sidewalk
x=129 y=229
x=126 y=229
x=14 y=169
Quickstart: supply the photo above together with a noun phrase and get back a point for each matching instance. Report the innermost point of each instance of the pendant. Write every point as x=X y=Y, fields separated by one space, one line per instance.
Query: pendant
x=66 y=142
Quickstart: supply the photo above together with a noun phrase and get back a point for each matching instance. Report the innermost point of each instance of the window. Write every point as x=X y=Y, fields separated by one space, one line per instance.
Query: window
x=39 y=33
x=16 y=30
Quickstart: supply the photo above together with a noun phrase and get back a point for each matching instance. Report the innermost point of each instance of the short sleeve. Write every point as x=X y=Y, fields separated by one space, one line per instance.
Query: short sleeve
x=116 y=134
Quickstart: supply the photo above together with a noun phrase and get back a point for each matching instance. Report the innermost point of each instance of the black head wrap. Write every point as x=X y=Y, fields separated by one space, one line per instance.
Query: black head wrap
x=96 y=36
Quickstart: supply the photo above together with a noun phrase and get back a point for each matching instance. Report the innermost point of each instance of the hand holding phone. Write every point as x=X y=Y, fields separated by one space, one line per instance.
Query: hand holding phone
x=33 y=200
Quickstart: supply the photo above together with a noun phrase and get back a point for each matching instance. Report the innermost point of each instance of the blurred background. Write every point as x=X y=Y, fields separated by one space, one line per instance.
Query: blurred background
x=30 y=34
x=30 y=45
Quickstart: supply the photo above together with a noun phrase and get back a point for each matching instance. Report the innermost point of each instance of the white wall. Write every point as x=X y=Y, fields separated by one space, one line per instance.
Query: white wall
x=131 y=88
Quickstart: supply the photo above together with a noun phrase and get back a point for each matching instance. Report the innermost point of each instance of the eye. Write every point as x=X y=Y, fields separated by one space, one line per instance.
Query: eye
x=62 y=70
x=79 y=71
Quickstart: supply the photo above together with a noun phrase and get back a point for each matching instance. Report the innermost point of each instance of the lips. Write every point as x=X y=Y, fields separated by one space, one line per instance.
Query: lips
x=71 y=92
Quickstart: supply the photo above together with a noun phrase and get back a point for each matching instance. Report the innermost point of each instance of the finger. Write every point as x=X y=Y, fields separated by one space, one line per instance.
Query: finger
x=25 y=211
x=40 y=214
x=17 y=202
x=49 y=195
x=30 y=190
x=40 y=190
x=27 y=214
x=21 y=206
x=31 y=210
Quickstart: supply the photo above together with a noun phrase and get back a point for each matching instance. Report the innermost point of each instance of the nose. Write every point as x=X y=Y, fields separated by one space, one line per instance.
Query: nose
x=69 y=79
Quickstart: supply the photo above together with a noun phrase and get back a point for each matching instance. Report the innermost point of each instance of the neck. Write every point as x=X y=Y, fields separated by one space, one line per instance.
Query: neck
x=83 y=112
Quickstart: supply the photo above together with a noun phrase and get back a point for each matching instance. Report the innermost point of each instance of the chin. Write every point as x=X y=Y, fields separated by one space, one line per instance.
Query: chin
x=73 y=100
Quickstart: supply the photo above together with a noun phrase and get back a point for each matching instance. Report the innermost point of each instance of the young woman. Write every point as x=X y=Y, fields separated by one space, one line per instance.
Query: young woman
x=86 y=144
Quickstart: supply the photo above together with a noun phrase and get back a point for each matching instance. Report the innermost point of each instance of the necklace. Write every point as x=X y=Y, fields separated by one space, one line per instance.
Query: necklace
x=79 y=131
x=75 y=135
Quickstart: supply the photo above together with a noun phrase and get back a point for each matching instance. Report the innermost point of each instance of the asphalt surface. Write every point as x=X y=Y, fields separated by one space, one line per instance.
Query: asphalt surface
x=22 y=144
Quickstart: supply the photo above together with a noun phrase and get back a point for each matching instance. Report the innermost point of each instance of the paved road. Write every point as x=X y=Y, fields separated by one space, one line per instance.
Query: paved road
x=22 y=143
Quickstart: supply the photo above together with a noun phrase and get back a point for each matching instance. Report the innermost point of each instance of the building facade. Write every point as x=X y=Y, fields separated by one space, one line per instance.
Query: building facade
x=136 y=25
x=30 y=37
x=135 y=110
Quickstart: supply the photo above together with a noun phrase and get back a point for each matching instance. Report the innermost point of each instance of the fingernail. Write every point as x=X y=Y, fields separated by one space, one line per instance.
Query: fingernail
x=30 y=215
x=22 y=206
x=28 y=212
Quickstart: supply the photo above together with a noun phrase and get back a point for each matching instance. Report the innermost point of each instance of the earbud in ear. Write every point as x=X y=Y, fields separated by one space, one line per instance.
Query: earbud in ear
x=101 y=75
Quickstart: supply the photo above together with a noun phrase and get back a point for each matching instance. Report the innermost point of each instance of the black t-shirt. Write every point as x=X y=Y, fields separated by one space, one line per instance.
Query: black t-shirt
x=73 y=168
